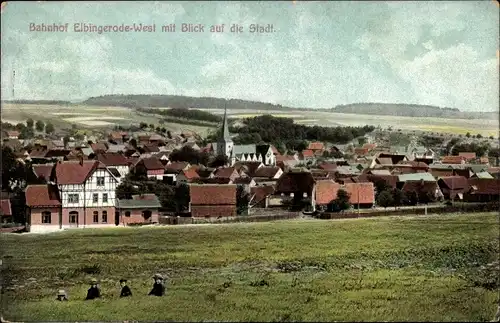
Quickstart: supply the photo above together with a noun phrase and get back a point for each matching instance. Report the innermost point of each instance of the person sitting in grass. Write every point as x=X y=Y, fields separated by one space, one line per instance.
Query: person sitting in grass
x=93 y=292
x=125 y=289
x=158 y=287
x=61 y=295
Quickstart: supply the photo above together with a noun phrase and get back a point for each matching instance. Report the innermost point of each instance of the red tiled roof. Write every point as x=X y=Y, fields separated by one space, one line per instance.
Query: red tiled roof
x=190 y=173
x=218 y=180
x=151 y=147
x=467 y=155
x=413 y=163
x=295 y=182
x=42 y=195
x=242 y=180
x=326 y=191
x=267 y=171
x=283 y=158
x=38 y=153
x=452 y=159
x=117 y=135
x=5 y=207
x=99 y=147
x=112 y=159
x=328 y=166
x=362 y=193
x=13 y=133
x=490 y=186
x=316 y=146
x=215 y=194
x=224 y=172
x=74 y=172
x=453 y=182
x=260 y=192
x=307 y=153
x=150 y=163
x=43 y=170
x=436 y=172
x=177 y=166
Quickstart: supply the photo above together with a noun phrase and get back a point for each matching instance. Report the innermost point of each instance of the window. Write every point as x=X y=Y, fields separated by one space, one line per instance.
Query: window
x=95 y=197
x=73 y=217
x=104 y=216
x=127 y=214
x=100 y=181
x=73 y=198
x=96 y=217
x=146 y=214
x=105 y=198
x=46 y=217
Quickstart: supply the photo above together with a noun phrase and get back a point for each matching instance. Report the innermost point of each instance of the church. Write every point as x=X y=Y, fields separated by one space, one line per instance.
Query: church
x=235 y=153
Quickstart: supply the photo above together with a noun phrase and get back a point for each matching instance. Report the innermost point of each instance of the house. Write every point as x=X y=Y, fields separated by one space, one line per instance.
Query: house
x=99 y=147
x=453 y=187
x=43 y=171
x=468 y=156
x=219 y=180
x=118 y=137
x=6 y=211
x=212 y=200
x=187 y=175
x=296 y=186
x=268 y=154
x=317 y=148
x=247 y=168
x=361 y=195
x=269 y=172
x=361 y=151
x=416 y=177
x=453 y=160
x=192 y=145
x=483 y=190
x=423 y=187
x=287 y=161
x=369 y=146
x=307 y=155
x=173 y=169
x=328 y=166
x=206 y=172
x=482 y=175
x=259 y=196
x=87 y=191
x=326 y=192
x=44 y=209
x=151 y=167
x=139 y=209
x=11 y=134
x=226 y=172
x=117 y=161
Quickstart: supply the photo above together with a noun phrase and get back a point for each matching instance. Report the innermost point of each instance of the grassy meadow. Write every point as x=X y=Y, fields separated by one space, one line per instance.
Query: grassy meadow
x=385 y=269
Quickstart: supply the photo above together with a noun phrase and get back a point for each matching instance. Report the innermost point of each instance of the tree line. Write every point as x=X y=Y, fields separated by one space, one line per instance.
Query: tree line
x=27 y=131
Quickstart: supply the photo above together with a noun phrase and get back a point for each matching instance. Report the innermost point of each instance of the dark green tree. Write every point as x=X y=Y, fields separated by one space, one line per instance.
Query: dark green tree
x=40 y=125
x=49 y=128
x=385 y=199
x=242 y=200
x=30 y=123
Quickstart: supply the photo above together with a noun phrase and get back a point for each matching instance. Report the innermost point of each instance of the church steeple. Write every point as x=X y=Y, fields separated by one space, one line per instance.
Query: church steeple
x=225 y=143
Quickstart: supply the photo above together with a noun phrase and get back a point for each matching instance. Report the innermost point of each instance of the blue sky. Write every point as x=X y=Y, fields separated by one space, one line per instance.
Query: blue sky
x=322 y=53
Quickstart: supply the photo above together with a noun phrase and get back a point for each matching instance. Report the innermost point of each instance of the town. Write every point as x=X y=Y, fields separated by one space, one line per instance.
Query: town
x=134 y=178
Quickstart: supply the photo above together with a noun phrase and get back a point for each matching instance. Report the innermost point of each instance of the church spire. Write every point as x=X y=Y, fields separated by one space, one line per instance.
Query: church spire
x=225 y=127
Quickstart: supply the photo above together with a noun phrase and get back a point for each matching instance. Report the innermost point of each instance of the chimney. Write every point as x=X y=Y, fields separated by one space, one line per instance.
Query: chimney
x=80 y=157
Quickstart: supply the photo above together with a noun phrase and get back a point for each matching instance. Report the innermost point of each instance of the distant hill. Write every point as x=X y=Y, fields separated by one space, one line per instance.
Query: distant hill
x=176 y=101
x=411 y=110
x=44 y=102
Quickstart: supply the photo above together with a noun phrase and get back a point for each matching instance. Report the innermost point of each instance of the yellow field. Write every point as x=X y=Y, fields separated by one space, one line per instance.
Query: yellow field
x=279 y=115
x=459 y=130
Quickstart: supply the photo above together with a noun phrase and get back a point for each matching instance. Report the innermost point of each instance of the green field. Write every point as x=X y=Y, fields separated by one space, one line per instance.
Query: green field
x=385 y=269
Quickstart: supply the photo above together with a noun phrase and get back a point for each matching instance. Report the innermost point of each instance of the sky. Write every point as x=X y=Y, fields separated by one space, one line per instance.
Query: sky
x=320 y=54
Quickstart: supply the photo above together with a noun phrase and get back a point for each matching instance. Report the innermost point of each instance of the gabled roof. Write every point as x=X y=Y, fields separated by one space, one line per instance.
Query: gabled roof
x=326 y=191
x=75 y=172
x=218 y=180
x=380 y=172
x=419 y=186
x=484 y=186
x=205 y=172
x=42 y=195
x=177 y=166
x=5 y=207
x=362 y=193
x=307 y=153
x=261 y=192
x=225 y=172
x=291 y=182
x=316 y=146
x=99 y=147
x=263 y=149
x=134 y=203
x=150 y=163
x=453 y=182
x=190 y=173
x=243 y=180
x=112 y=159
x=267 y=171
x=251 y=165
x=117 y=148
x=483 y=175
x=43 y=170
x=244 y=149
x=212 y=194
x=416 y=177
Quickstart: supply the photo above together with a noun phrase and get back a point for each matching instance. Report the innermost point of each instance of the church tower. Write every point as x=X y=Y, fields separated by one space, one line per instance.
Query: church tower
x=225 y=143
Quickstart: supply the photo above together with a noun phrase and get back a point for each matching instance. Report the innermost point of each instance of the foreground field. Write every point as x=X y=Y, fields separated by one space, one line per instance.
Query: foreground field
x=391 y=269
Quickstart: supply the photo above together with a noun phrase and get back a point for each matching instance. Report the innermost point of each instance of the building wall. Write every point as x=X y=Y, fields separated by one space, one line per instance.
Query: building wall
x=88 y=219
x=156 y=173
x=136 y=216
x=201 y=211
x=35 y=217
